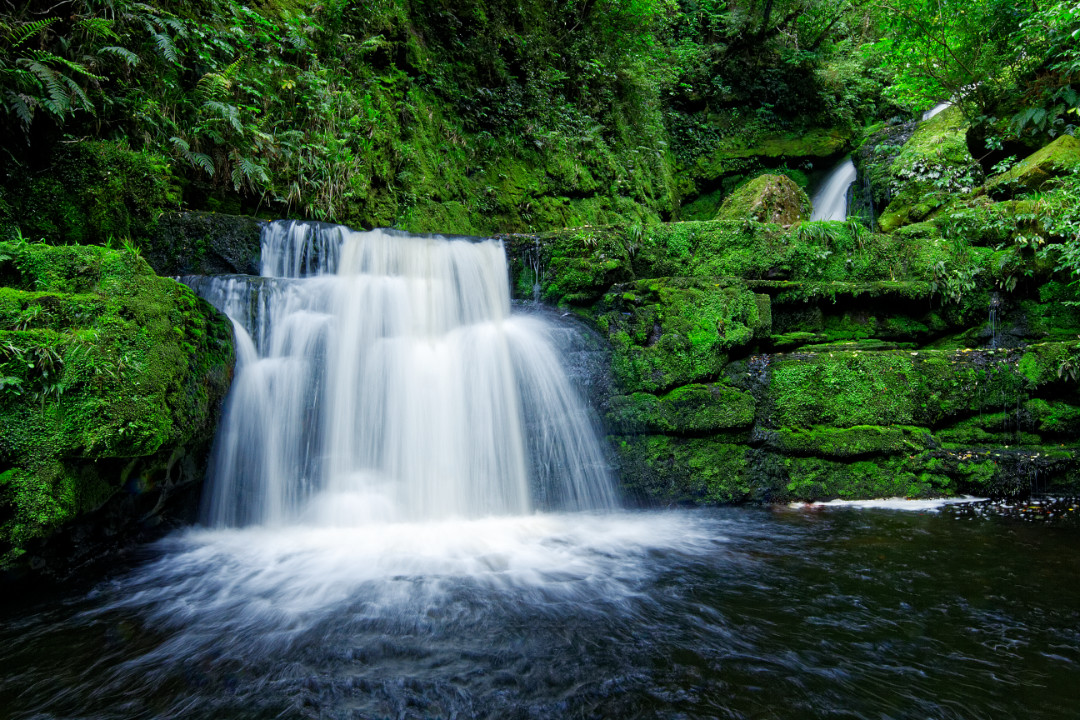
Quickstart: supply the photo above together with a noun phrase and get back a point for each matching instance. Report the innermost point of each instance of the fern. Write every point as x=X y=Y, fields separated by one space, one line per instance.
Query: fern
x=225 y=111
x=17 y=103
x=247 y=171
x=25 y=32
x=123 y=53
x=196 y=159
x=166 y=47
x=97 y=27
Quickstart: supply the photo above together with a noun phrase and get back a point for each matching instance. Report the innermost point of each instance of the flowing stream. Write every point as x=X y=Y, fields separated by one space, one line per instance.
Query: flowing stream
x=411 y=517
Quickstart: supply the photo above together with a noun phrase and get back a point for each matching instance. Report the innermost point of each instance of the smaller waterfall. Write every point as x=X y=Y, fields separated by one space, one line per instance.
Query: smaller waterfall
x=935 y=110
x=831 y=200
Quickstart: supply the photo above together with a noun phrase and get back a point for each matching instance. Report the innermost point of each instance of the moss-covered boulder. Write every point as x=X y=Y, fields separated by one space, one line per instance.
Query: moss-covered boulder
x=111 y=379
x=932 y=166
x=738 y=152
x=1060 y=157
x=756 y=363
x=769 y=199
x=690 y=409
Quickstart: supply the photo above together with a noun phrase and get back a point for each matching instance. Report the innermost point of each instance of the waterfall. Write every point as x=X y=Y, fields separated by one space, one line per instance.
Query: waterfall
x=935 y=110
x=831 y=200
x=383 y=377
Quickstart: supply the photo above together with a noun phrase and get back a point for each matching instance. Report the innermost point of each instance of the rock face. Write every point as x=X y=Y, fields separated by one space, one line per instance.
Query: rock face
x=756 y=363
x=768 y=199
x=194 y=243
x=111 y=380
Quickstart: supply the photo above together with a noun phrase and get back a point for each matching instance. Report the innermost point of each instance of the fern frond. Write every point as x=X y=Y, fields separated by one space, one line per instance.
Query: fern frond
x=97 y=27
x=177 y=25
x=229 y=113
x=210 y=86
x=77 y=92
x=203 y=160
x=123 y=53
x=181 y=144
x=57 y=103
x=81 y=69
x=231 y=69
x=24 y=32
x=17 y=103
x=197 y=160
x=166 y=47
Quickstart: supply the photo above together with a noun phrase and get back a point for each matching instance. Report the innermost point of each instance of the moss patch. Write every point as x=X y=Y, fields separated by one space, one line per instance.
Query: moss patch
x=101 y=360
x=767 y=198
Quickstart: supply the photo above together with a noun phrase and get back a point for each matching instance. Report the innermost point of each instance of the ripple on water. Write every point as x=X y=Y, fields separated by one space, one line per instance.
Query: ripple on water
x=740 y=613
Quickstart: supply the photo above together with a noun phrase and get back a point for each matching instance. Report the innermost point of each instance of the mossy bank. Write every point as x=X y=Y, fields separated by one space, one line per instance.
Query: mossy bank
x=111 y=380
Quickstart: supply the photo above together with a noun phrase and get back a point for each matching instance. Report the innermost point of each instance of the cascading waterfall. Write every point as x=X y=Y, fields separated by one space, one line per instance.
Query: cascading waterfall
x=382 y=377
x=831 y=200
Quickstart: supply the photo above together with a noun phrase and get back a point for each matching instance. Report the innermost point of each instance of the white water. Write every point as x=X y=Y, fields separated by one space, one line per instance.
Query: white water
x=830 y=201
x=381 y=378
x=935 y=110
x=894 y=503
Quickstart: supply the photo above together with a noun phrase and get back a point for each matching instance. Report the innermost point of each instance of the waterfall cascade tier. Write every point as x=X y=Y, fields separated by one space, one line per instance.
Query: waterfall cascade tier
x=831 y=200
x=382 y=377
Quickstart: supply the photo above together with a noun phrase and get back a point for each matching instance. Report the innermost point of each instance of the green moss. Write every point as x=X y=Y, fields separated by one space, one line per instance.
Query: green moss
x=1034 y=172
x=731 y=154
x=826 y=258
x=932 y=165
x=847 y=390
x=1049 y=362
x=815 y=478
x=675 y=331
x=767 y=198
x=94 y=192
x=851 y=442
x=697 y=470
x=102 y=360
x=689 y=409
x=1054 y=417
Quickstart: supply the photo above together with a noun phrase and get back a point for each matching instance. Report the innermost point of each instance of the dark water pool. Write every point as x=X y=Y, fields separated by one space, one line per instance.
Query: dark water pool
x=741 y=613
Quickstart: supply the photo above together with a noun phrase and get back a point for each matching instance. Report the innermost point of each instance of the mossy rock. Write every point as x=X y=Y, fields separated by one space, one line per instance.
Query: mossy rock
x=853 y=442
x=577 y=266
x=734 y=154
x=816 y=479
x=687 y=410
x=769 y=199
x=1061 y=157
x=667 y=332
x=660 y=468
x=110 y=375
x=195 y=243
x=932 y=166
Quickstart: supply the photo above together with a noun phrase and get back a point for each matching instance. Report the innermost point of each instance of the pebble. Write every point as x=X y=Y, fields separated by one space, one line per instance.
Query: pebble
x=1055 y=511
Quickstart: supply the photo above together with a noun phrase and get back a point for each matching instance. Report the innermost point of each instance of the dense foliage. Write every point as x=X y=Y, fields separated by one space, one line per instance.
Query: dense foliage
x=376 y=112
